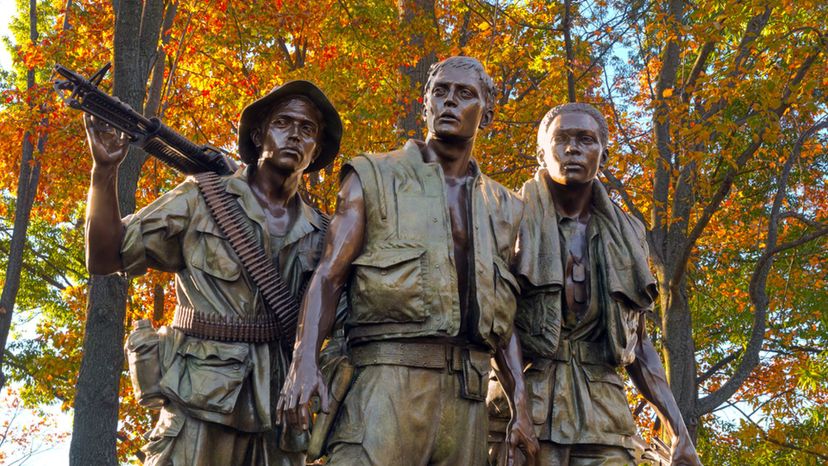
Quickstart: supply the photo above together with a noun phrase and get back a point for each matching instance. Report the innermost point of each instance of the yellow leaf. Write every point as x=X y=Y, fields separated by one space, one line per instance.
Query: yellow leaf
x=667 y=92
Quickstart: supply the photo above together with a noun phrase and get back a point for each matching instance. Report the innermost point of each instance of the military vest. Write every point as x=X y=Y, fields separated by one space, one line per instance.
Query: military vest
x=622 y=284
x=404 y=284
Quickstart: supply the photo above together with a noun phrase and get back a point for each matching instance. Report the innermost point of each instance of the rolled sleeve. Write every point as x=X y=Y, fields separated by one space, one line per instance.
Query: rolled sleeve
x=154 y=236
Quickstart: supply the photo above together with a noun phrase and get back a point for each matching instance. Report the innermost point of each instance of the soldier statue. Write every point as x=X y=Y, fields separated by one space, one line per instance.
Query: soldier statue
x=222 y=370
x=582 y=265
x=424 y=242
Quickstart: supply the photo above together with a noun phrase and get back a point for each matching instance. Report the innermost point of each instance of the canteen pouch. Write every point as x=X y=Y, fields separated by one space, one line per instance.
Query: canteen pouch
x=144 y=361
x=474 y=384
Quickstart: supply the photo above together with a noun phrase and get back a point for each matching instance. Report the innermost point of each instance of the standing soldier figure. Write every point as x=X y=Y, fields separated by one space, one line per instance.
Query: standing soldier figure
x=425 y=241
x=221 y=369
x=582 y=263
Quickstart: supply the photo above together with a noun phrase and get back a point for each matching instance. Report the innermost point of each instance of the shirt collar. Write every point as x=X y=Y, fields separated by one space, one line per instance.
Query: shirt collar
x=308 y=221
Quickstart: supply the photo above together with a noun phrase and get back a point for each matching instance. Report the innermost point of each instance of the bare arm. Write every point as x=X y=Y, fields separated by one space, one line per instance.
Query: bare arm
x=648 y=376
x=509 y=371
x=104 y=230
x=343 y=244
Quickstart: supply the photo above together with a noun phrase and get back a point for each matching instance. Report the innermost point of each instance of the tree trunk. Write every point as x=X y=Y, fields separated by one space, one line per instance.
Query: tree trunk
x=137 y=28
x=410 y=123
x=26 y=190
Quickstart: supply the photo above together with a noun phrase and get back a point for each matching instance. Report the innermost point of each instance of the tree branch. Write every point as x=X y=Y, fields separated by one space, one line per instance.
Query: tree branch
x=758 y=281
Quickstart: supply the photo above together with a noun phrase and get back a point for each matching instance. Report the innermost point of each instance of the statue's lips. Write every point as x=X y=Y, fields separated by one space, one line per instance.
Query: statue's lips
x=291 y=151
x=448 y=117
x=573 y=166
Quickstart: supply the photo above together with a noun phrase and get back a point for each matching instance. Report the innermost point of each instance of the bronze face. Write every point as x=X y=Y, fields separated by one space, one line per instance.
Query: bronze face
x=455 y=106
x=289 y=141
x=573 y=153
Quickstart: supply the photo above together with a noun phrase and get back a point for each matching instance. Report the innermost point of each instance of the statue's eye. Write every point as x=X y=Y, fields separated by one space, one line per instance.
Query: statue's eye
x=309 y=130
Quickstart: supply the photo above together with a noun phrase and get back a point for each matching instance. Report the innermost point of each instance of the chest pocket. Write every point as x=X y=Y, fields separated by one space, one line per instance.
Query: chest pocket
x=387 y=286
x=212 y=253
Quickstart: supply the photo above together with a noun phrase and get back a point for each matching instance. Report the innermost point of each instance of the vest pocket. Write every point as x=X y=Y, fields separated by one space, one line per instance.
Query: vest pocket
x=387 y=286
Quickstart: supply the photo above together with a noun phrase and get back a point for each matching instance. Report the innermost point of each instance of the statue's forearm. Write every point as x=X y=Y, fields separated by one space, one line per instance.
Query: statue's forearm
x=510 y=374
x=104 y=230
x=648 y=375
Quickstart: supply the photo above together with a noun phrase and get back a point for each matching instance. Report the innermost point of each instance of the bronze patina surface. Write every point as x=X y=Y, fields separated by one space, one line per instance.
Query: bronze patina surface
x=425 y=242
x=582 y=265
x=221 y=394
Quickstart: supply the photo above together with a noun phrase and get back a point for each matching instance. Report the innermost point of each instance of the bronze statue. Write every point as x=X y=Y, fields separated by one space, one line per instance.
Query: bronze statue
x=582 y=264
x=425 y=241
x=222 y=367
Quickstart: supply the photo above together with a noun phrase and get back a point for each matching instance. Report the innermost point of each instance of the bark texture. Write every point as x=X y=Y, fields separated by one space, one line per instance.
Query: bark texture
x=137 y=30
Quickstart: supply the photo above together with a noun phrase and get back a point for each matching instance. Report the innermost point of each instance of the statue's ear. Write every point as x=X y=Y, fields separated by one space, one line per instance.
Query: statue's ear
x=604 y=158
x=256 y=137
x=540 y=155
x=487 y=119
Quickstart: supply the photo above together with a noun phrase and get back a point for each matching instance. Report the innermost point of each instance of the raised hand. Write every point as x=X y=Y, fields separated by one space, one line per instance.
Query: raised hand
x=108 y=145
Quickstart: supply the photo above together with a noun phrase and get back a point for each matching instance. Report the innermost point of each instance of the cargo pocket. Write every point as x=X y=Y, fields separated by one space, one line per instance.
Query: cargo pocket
x=474 y=384
x=540 y=379
x=602 y=373
x=505 y=298
x=387 y=286
x=607 y=397
x=212 y=374
x=213 y=255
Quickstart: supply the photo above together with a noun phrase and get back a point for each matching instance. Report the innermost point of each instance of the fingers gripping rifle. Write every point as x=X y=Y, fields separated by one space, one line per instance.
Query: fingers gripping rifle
x=156 y=138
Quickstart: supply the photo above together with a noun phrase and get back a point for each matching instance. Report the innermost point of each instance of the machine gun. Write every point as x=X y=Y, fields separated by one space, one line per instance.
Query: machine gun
x=156 y=138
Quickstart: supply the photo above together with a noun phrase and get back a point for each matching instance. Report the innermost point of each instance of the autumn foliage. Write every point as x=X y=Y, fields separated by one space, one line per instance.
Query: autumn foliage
x=719 y=143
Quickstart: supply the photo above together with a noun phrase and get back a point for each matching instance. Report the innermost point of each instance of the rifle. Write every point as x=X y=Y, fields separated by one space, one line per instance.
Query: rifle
x=156 y=138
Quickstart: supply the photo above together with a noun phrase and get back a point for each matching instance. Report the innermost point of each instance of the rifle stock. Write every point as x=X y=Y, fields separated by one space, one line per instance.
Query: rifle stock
x=150 y=134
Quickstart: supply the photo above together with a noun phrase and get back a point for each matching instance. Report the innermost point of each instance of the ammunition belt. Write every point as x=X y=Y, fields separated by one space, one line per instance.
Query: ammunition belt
x=261 y=328
x=282 y=307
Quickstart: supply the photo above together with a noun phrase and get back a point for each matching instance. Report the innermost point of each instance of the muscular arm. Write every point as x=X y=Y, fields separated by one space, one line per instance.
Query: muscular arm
x=343 y=244
x=510 y=374
x=104 y=230
x=648 y=376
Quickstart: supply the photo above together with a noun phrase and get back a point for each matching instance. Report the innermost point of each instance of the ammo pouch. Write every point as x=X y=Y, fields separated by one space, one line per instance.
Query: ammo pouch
x=144 y=360
x=474 y=381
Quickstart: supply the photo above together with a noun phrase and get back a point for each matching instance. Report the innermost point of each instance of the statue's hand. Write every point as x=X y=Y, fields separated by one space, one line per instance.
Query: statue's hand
x=108 y=145
x=684 y=453
x=304 y=379
x=521 y=435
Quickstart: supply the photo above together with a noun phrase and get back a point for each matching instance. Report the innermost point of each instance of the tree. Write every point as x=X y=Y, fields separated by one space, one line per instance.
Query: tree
x=137 y=30
x=687 y=89
x=731 y=90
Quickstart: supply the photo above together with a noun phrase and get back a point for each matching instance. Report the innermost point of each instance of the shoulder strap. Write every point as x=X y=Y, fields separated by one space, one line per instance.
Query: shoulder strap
x=231 y=220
